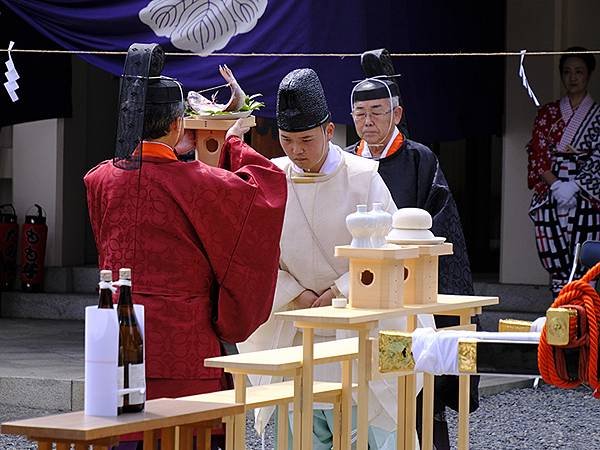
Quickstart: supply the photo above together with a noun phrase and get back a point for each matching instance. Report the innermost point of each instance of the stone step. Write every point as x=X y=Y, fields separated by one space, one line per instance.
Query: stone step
x=516 y=297
x=80 y=280
x=57 y=306
x=41 y=364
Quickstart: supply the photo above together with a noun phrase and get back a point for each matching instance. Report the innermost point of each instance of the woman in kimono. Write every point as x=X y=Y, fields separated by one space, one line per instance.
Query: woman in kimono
x=324 y=185
x=564 y=170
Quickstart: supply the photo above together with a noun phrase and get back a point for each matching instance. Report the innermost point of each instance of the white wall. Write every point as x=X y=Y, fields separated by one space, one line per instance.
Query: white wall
x=534 y=25
x=37 y=177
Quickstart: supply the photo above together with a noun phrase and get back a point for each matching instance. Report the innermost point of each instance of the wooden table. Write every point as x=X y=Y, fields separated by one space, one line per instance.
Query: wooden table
x=161 y=415
x=363 y=321
x=289 y=362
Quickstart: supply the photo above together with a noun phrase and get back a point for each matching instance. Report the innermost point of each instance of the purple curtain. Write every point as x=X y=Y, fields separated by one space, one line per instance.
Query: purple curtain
x=445 y=98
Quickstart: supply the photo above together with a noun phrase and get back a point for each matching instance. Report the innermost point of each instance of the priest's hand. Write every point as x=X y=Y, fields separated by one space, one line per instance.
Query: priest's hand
x=324 y=299
x=305 y=299
x=238 y=129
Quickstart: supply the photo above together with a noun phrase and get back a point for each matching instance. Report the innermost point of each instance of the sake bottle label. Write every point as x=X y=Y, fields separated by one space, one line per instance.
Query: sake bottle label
x=137 y=379
x=120 y=383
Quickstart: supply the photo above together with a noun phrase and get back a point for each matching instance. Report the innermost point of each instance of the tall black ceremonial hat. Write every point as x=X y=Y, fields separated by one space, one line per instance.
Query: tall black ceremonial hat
x=374 y=88
x=301 y=103
x=378 y=64
x=141 y=85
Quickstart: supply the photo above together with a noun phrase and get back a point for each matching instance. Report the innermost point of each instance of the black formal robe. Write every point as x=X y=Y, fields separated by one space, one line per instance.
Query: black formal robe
x=415 y=180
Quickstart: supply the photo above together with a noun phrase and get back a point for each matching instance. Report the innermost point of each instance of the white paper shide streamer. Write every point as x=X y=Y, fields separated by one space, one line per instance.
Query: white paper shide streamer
x=12 y=76
x=524 y=79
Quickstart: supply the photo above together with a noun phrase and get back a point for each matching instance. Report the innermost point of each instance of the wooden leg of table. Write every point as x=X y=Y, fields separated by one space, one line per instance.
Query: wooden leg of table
x=167 y=438
x=149 y=440
x=463 y=412
x=463 y=400
x=203 y=438
x=239 y=382
x=282 y=426
x=410 y=424
x=186 y=436
x=400 y=432
x=307 y=388
x=297 y=414
x=362 y=416
x=337 y=423
x=346 y=406
x=428 y=391
x=229 y=432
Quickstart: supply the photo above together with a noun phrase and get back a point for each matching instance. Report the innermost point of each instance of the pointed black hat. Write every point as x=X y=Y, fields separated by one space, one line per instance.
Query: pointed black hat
x=301 y=103
x=141 y=84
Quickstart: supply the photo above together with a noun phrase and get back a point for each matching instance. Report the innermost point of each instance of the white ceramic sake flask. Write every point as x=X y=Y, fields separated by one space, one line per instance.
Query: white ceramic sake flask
x=384 y=225
x=361 y=226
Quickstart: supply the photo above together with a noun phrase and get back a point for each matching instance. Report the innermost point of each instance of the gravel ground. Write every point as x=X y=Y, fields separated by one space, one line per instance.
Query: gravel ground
x=520 y=419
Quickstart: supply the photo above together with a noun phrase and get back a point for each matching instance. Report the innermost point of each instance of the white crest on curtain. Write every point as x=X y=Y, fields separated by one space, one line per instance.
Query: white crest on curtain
x=202 y=26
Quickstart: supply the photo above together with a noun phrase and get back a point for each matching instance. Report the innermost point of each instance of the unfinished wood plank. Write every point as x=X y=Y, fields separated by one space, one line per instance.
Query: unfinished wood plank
x=186 y=434
x=362 y=419
x=401 y=412
x=160 y=413
x=285 y=359
x=410 y=426
x=149 y=440
x=428 y=393
x=282 y=425
x=307 y=387
x=346 y=405
x=239 y=382
x=229 y=432
x=167 y=438
x=297 y=414
x=330 y=317
x=203 y=438
x=337 y=424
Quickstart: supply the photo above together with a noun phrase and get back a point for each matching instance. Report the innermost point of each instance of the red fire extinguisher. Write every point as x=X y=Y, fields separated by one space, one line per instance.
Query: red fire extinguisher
x=33 y=250
x=9 y=232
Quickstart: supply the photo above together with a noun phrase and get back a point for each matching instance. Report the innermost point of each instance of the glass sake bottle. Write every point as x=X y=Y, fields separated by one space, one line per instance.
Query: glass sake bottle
x=105 y=300
x=132 y=372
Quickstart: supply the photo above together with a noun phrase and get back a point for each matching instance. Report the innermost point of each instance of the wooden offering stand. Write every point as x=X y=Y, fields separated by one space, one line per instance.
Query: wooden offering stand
x=210 y=136
x=387 y=282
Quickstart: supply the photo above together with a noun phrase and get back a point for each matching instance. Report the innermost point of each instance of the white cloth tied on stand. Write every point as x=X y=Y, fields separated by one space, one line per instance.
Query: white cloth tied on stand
x=437 y=352
x=12 y=76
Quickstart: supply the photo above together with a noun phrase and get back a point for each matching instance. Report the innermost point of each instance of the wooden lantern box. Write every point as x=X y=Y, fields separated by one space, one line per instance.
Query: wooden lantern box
x=210 y=136
x=393 y=276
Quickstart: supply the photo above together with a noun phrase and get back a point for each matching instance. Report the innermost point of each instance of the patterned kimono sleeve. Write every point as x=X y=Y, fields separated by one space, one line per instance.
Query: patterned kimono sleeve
x=538 y=151
x=588 y=178
x=244 y=245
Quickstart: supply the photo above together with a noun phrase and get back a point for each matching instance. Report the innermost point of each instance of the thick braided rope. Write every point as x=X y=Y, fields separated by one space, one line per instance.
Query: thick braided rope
x=578 y=292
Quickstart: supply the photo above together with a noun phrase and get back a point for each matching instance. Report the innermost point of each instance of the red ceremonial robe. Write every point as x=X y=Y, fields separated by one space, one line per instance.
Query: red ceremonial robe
x=170 y=209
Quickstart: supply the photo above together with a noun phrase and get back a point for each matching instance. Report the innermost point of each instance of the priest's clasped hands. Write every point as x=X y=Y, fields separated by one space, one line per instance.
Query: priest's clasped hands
x=309 y=299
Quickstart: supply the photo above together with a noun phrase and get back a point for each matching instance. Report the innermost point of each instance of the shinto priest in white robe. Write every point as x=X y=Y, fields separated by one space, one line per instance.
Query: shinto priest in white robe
x=314 y=223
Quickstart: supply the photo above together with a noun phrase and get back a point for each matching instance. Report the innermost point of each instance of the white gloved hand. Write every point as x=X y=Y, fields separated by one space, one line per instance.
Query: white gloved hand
x=564 y=192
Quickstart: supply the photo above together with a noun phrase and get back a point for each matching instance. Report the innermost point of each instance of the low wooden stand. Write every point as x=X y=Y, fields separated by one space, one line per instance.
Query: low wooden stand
x=160 y=418
x=210 y=136
x=289 y=362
